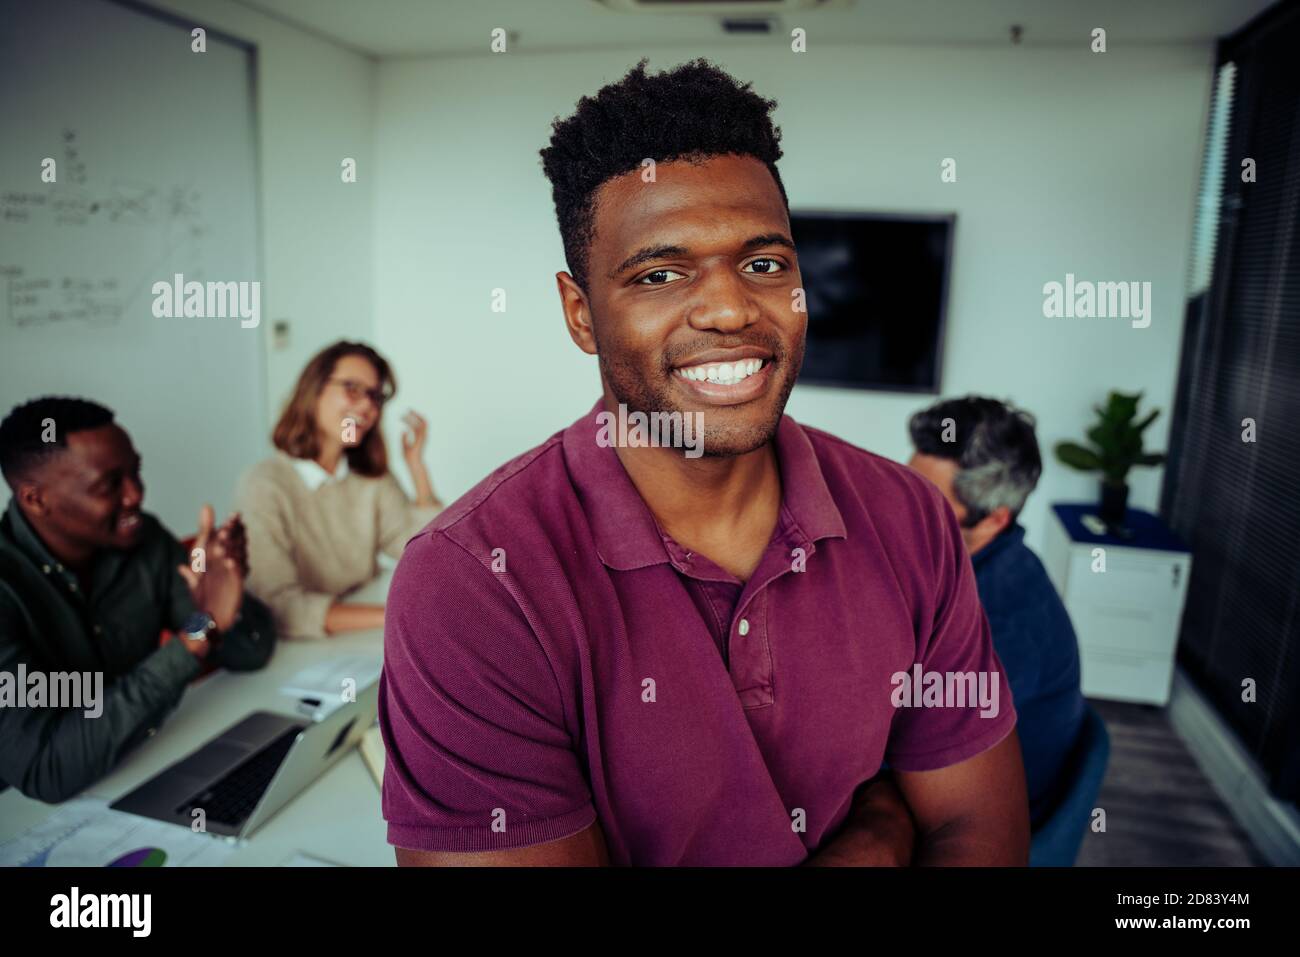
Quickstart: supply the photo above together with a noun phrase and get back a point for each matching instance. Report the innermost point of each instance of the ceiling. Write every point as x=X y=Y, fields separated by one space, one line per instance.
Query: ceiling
x=418 y=28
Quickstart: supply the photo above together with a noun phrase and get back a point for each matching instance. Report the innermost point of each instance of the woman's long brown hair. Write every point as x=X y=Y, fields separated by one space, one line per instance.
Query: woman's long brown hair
x=296 y=432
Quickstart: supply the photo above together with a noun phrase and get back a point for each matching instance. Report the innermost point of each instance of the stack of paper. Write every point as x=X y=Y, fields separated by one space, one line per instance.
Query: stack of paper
x=85 y=833
x=321 y=688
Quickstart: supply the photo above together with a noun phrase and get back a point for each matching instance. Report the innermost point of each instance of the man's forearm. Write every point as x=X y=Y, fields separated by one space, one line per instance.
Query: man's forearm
x=51 y=754
x=965 y=844
x=247 y=646
x=879 y=831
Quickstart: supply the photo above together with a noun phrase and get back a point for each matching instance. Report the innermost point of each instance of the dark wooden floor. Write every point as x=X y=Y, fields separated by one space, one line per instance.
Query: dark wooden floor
x=1160 y=809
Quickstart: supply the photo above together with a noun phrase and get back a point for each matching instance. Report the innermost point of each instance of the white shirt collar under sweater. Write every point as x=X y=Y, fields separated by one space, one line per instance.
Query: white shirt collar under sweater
x=313 y=476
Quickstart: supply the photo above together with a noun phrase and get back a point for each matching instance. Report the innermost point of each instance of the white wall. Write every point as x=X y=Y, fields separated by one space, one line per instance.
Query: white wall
x=193 y=211
x=315 y=104
x=1067 y=161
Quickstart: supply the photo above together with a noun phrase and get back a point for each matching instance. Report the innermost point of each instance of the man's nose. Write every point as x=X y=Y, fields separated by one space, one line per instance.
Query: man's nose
x=132 y=492
x=725 y=303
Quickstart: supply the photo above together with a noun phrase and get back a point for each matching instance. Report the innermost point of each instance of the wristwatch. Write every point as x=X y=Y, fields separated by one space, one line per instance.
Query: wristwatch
x=198 y=626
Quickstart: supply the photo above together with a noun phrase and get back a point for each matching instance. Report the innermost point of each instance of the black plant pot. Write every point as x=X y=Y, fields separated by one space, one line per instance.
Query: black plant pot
x=1114 y=503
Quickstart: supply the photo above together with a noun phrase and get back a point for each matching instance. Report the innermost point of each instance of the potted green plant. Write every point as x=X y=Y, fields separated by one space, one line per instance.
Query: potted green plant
x=1116 y=447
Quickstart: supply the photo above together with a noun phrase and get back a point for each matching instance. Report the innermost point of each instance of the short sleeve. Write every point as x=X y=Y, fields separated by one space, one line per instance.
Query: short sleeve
x=479 y=753
x=962 y=703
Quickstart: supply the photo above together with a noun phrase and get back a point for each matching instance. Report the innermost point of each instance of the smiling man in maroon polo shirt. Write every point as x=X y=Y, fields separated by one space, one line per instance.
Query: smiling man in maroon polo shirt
x=619 y=652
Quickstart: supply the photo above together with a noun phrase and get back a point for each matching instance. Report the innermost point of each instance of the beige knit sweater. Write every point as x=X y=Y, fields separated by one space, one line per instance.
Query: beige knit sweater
x=307 y=548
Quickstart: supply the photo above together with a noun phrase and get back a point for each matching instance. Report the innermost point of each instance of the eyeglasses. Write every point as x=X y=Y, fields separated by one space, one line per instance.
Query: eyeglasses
x=355 y=390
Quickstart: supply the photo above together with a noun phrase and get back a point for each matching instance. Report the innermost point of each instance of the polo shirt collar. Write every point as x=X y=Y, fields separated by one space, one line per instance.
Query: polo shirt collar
x=626 y=533
x=313 y=476
x=1012 y=535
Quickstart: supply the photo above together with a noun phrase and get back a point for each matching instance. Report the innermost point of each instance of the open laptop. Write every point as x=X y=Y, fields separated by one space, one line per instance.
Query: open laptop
x=243 y=776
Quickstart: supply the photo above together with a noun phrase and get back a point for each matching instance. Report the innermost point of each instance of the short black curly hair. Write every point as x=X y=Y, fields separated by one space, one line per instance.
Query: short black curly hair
x=23 y=432
x=691 y=112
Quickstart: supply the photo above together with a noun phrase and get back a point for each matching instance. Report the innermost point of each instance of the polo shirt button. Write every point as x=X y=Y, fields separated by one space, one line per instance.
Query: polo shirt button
x=98 y=630
x=744 y=627
x=45 y=568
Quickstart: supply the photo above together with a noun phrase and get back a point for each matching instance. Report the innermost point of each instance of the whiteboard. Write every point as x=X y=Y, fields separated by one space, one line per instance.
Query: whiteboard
x=155 y=156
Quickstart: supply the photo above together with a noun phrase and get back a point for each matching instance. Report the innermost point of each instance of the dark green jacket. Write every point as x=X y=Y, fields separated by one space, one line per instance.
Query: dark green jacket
x=48 y=625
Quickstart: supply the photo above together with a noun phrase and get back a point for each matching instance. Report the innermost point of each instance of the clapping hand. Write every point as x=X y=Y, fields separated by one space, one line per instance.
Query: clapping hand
x=217 y=585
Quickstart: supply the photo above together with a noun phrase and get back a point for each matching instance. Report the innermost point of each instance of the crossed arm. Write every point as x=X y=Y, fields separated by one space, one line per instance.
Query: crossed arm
x=972 y=813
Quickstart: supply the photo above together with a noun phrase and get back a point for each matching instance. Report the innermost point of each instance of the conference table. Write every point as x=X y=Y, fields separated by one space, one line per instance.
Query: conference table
x=336 y=819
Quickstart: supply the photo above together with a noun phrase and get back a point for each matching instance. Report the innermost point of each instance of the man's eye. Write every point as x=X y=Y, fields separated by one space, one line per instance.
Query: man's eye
x=768 y=272
x=657 y=272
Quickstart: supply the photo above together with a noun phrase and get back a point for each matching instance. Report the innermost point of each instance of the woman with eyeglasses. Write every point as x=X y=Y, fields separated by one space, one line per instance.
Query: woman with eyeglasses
x=319 y=511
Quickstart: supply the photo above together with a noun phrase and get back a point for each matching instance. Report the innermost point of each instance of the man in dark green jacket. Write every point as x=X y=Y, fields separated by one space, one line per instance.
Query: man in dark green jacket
x=88 y=585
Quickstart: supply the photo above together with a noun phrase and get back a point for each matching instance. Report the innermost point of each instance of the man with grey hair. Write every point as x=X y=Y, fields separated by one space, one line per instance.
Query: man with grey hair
x=983 y=455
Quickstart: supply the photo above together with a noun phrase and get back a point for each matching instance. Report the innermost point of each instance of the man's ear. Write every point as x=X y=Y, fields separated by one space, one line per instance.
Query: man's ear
x=997 y=520
x=31 y=497
x=987 y=528
x=577 y=313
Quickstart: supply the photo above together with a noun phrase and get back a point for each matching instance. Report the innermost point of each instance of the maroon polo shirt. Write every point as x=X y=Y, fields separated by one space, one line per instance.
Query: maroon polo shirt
x=553 y=658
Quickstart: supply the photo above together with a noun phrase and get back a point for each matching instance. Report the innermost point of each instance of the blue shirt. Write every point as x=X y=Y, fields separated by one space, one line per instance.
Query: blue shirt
x=1036 y=644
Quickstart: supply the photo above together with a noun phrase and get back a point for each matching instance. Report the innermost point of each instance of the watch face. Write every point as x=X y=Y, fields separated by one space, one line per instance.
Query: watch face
x=197 y=625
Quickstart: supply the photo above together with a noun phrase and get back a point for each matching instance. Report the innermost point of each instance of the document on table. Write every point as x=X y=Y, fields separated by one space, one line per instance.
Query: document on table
x=86 y=833
x=372 y=752
x=324 y=686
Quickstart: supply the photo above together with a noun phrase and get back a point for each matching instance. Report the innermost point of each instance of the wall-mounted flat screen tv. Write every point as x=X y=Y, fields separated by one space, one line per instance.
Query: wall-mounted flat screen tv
x=876 y=288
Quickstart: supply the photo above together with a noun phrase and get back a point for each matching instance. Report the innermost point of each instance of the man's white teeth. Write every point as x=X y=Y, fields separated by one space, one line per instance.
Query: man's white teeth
x=723 y=373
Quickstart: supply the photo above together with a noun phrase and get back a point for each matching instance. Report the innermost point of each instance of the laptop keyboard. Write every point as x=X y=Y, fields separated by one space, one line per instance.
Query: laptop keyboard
x=231 y=799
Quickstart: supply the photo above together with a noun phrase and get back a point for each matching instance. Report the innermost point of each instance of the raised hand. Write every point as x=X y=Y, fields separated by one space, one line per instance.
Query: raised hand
x=219 y=588
x=234 y=539
x=413 y=438
x=413 y=451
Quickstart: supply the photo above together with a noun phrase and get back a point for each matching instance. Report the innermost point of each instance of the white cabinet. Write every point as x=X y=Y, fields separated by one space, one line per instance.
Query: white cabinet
x=1125 y=616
